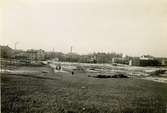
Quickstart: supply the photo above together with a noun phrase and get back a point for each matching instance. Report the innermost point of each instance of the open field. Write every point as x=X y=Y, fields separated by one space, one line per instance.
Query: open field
x=158 y=74
x=62 y=92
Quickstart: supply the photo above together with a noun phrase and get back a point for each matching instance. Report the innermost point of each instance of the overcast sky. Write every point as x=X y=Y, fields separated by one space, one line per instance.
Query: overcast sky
x=133 y=27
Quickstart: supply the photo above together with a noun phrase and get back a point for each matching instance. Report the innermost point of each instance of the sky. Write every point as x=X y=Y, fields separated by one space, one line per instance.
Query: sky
x=132 y=27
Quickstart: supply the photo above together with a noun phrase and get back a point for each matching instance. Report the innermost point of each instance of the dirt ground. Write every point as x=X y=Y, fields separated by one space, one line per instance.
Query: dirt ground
x=47 y=92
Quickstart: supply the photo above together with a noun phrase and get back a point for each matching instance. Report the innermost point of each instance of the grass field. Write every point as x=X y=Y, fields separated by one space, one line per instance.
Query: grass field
x=65 y=93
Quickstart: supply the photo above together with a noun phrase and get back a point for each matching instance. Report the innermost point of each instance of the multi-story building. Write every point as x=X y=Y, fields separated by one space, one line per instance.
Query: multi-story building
x=145 y=60
x=36 y=54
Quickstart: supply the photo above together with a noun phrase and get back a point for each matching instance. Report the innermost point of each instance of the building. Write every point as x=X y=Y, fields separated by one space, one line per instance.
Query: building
x=164 y=62
x=135 y=61
x=36 y=55
x=145 y=60
x=22 y=58
x=146 y=57
x=120 y=61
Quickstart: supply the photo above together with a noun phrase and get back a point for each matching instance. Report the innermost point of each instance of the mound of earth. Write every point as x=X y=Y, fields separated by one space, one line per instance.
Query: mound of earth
x=110 y=76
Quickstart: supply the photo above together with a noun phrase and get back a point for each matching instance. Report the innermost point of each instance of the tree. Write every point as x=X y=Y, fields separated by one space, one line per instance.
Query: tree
x=5 y=52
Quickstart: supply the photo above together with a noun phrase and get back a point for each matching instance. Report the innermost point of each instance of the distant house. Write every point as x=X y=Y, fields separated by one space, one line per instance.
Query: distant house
x=120 y=60
x=135 y=61
x=146 y=57
x=36 y=54
x=41 y=54
x=31 y=54
x=22 y=58
x=145 y=60
x=164 y=62
x=92 y=59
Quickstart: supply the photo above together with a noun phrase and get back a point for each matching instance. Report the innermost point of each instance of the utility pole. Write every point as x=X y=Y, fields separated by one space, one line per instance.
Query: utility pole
x=71 y=49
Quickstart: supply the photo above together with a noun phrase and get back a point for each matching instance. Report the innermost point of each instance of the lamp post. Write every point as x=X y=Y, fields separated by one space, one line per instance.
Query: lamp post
x=15 y=44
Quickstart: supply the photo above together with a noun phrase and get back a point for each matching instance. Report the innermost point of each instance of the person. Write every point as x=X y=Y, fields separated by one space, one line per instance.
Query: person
x=72 y=72
x=58 y=67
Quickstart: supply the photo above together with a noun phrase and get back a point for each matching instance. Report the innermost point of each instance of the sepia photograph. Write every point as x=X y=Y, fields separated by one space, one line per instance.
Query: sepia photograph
x=83 y=56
